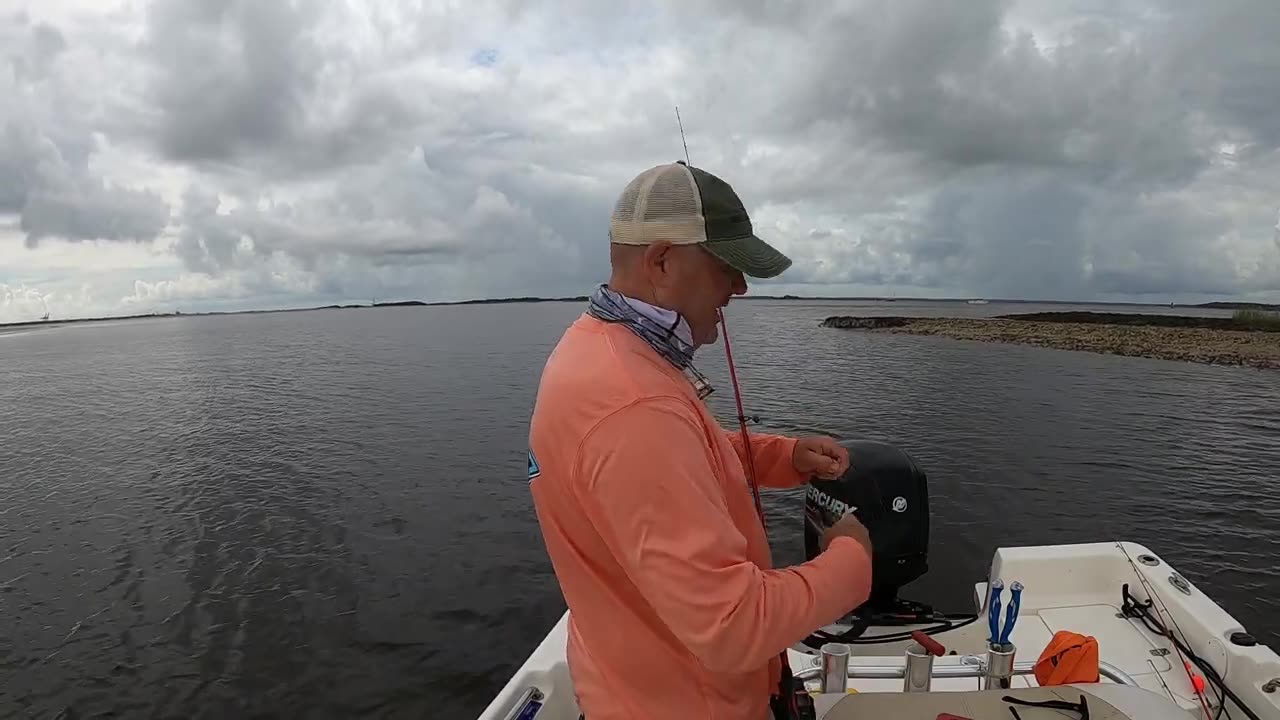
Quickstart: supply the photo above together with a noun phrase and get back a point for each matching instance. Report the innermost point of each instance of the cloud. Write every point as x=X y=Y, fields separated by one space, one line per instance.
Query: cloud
x=83 y=209
x=1068 y=165
x=45 y=174
x=57 y=199
x=1224 y=56
x=36 y=50
x=401 y=213
x=234 y=77
x=313 y=150
x=21 y=302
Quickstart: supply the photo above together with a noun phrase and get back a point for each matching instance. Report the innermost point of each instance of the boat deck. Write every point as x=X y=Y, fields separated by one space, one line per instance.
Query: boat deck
x=1077 y=588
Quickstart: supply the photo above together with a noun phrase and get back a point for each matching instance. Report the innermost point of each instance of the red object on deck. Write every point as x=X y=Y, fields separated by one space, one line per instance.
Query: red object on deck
x=1197 y=680
x=931 y=646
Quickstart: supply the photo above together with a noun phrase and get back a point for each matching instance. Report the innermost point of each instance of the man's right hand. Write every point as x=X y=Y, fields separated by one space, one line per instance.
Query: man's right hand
x=848 y=526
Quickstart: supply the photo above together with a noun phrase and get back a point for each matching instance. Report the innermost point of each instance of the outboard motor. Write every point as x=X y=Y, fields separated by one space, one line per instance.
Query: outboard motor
x=889 y=494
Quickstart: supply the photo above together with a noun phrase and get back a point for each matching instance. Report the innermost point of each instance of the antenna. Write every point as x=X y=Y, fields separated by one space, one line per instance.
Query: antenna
x=682 y=140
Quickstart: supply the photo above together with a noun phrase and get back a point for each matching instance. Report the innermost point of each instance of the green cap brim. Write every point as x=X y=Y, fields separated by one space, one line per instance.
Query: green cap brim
x=750 y=255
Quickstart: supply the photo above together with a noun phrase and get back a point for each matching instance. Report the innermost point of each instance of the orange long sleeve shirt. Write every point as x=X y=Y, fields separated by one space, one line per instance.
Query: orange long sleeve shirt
x=675 y=610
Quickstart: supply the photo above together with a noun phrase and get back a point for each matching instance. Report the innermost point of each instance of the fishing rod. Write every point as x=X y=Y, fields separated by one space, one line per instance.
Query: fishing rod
x=742 y=421
x=1142 y=611
x=787 y=689
x=680 y=123
x=1154 y=600
x=733 y=377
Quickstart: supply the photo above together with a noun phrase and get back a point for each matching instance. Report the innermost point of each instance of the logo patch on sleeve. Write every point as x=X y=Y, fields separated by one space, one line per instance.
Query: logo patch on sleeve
x=534 y=470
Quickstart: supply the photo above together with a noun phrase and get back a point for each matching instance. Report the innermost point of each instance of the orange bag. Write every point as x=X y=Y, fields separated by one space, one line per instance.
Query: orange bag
x=1068 y=658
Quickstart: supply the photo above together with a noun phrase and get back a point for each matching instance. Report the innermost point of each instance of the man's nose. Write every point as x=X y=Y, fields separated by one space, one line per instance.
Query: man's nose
x=739 y=283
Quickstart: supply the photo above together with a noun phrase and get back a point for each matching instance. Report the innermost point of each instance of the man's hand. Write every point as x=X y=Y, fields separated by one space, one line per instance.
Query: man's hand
x=847 y=526
x=820 y=456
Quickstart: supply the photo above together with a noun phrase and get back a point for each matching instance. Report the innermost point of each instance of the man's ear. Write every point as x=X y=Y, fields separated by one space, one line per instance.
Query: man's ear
x=656 y=257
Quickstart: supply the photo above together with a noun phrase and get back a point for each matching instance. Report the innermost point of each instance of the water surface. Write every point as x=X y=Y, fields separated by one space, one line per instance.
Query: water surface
x=325 y=514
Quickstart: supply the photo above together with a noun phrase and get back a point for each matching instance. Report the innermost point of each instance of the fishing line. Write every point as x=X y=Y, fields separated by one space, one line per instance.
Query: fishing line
x=1154 y=598
x=1132 y=608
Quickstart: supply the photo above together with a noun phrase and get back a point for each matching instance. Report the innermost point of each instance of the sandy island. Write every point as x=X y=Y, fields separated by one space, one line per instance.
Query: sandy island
x=1218 y=341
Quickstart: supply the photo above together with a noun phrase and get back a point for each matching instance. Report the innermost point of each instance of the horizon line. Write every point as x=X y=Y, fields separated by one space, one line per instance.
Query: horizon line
x=1219 y=304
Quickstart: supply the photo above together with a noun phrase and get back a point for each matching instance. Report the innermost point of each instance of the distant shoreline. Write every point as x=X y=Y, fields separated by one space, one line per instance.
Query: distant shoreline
x=28 y=324
x=402 y=303
x=1208 y=340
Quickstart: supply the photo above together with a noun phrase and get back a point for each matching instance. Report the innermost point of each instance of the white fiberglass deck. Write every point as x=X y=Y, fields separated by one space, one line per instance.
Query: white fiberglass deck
x=1067 y=587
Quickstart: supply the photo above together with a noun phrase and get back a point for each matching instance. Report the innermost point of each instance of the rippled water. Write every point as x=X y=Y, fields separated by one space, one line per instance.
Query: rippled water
x=324 y=514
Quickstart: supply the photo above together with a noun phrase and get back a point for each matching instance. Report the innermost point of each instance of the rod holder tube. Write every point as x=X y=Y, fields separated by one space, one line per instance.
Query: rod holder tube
x=971 y=666
x=1000 y=666
x=918 y=675
x=835 y=668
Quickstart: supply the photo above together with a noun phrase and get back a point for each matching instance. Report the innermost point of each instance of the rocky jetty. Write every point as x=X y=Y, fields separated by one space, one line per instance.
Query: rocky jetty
x=1259 y=321
x=1204 y=340
x=864 y=323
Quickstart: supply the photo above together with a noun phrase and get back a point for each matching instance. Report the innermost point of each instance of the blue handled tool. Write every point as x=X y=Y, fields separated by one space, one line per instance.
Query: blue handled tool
x=1011 y=615
x=993 y=610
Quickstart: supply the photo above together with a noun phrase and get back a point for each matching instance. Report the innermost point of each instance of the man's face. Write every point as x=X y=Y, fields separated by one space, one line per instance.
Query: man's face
x=697 y=284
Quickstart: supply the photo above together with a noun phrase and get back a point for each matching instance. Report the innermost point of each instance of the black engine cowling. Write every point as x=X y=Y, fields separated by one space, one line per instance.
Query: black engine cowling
x=889 y=494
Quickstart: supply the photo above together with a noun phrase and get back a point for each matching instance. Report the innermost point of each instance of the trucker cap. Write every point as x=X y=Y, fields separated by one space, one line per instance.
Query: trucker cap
x=685 y=205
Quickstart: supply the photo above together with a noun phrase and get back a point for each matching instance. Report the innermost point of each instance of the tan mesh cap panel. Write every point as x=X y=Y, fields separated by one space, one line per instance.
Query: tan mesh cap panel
x=661 y=203
x=672 y=196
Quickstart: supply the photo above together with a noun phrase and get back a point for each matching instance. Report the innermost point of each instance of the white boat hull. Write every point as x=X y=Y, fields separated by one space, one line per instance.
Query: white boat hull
x=1068 y=587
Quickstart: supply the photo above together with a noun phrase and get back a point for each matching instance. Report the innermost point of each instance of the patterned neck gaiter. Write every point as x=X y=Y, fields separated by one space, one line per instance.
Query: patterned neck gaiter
x=664 y=330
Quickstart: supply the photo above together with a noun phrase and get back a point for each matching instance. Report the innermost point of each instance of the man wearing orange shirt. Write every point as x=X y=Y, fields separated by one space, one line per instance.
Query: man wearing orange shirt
x=675 y=609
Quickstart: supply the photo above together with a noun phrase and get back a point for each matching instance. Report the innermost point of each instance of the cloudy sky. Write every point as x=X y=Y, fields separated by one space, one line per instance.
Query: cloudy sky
x=226 y=154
